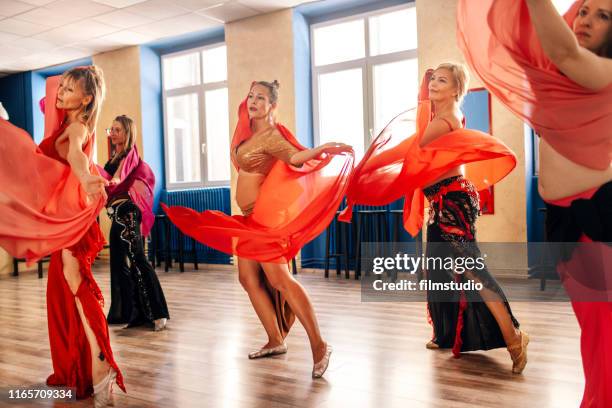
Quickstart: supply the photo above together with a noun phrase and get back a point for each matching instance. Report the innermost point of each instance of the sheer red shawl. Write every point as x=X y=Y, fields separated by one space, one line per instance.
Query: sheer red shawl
x=396 y=166
x=501 y=46
x=294 y=206
x=43 y=206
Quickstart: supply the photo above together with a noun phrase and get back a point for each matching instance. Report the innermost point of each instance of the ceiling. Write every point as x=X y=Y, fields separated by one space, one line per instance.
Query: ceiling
x=40 y=33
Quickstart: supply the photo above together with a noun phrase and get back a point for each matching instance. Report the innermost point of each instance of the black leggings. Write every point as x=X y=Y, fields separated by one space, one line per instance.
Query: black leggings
x=136 y=295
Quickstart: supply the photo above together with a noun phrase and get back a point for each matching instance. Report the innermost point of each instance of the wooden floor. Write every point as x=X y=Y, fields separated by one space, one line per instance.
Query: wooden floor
x=379 y=360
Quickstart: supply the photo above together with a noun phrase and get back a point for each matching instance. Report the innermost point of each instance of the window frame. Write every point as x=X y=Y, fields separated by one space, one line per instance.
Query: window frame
x=366 y=64
x=200 y=90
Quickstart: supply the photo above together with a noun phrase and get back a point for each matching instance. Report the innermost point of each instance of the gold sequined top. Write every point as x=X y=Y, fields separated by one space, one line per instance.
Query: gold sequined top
x=259 y=153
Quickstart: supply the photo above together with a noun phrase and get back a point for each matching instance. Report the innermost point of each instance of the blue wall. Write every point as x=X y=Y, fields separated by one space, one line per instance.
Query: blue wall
x=38 y=92
x=303 y=79
x=16 y=96
x=535 y=217
x=152 y=118
x=476 y=108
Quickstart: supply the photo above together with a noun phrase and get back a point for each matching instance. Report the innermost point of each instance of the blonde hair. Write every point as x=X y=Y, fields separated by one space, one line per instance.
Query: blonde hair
x=91 y=79
x=461 y=76
x=130 y=134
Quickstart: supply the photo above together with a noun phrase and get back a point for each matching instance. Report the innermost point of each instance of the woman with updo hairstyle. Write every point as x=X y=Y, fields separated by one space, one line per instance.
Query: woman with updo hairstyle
x=136 y=294
x=52 y=195
x=555 y=73
x=288 y=195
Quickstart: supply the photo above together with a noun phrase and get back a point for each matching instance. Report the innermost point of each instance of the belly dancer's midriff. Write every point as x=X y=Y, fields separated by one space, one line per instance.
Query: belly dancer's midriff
x=247 y=190
x=560 y=177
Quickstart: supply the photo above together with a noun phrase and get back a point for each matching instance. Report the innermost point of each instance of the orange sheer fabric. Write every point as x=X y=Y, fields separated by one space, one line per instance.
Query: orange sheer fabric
x=43 y=206
x=294 y=206
x=396 y=166
x=501 y=46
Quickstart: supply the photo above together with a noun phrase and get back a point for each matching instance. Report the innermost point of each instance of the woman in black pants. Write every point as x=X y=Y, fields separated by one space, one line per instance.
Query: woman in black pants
x=136 y=295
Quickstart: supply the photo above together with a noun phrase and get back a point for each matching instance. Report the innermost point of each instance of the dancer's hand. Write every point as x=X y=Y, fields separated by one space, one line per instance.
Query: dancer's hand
x=424 y=91
x=335 y=148
x=114 y=181
x=94 y=186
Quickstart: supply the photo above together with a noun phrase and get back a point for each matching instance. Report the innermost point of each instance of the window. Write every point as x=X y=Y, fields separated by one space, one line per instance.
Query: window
x=196 y=118
x=364 y=72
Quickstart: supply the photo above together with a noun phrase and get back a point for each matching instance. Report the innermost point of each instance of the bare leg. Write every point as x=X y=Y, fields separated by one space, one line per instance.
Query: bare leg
x=99 y=368
x=511 y=334
x=280 y=278
x=250 y=279
x=498 y=309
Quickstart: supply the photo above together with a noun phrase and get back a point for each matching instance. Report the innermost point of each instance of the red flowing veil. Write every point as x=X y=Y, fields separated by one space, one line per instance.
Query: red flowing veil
x=294 y=206
x=395 y=166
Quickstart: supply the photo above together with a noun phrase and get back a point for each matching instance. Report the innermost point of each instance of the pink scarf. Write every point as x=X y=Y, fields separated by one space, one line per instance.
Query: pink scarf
x=138 y=181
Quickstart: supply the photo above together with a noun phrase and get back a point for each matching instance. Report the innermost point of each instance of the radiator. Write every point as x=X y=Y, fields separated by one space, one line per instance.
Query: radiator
x=199 y=200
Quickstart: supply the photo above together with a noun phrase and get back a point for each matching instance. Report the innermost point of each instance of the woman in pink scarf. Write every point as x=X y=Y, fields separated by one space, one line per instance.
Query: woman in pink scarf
x=136 y=295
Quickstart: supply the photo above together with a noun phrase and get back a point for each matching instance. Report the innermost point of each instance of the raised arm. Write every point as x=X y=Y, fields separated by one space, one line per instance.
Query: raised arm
x=79 y=163
x=561 y=46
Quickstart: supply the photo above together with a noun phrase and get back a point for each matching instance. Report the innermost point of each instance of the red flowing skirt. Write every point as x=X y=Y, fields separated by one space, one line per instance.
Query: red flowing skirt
x=594 y=318
x=70 y=350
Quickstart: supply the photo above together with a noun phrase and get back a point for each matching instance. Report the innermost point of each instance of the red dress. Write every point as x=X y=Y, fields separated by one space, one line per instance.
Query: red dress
x=49 y=211
x=501 y=46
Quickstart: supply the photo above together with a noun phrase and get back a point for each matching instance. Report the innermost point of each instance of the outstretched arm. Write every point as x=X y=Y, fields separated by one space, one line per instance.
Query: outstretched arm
x=303 y=156
x=561 y=46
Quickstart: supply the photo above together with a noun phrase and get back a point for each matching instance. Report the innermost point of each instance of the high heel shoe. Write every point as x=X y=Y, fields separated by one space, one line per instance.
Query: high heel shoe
x=266 y=352
x=160 y=324
x=103 y=391
x=319 y=368
x=518 y=353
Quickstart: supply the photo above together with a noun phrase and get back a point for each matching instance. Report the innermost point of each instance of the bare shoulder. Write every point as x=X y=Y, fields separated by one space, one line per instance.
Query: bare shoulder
x=451 y=121
x=76 y=130
x=439 y=126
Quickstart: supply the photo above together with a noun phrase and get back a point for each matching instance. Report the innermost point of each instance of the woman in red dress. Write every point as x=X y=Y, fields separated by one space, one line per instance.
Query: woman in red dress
x=52 y=200
x=556 y=74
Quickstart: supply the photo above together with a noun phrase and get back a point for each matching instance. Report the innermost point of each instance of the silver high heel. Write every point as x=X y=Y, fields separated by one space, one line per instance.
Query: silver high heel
x=319 y=368
x=266 y=352
x=103 y=391
x=160 y=324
